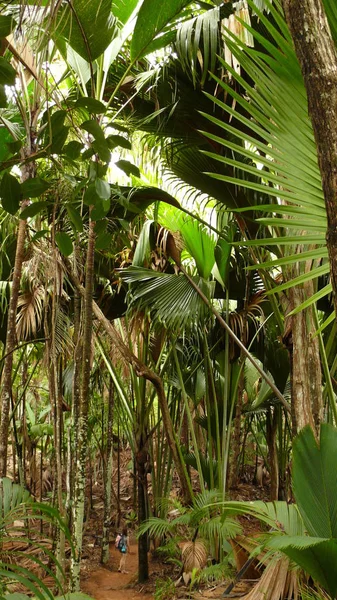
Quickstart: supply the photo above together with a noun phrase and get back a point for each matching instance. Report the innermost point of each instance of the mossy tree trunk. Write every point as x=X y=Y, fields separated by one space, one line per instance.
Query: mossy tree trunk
x=82 y=424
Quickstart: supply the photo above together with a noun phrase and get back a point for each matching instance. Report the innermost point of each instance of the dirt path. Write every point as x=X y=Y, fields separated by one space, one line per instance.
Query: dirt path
x=108 y=584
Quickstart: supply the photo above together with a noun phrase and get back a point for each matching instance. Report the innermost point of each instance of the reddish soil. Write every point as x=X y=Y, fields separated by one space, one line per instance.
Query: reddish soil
x=105 y=583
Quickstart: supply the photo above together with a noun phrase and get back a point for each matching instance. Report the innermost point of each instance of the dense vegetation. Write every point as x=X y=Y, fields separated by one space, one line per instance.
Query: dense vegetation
x=167 y=285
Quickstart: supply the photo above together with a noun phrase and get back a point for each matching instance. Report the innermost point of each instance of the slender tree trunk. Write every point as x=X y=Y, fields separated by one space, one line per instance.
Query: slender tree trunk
x=24 y=416
x=82 y=430
x=141 y=460
x=107 y=478
x=56 y=403
x=272 y=423
x=6 y=384
x=236 y=437
x=317 y=55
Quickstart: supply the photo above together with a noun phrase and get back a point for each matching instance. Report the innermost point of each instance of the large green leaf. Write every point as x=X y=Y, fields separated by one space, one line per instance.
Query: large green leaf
x=64 y=243
x=12 y=495
x=100 y=144
x=199 y=243
x=152 y=18
x=75 y=217
x=10 y=193
x=91 y=104
x=315 y=480
x=3 y=97
x=33 y=210
x=316 y=556
x=128 y=168
x=7 y=25
x=88 y=27
x=143 y=244
x=124 y=9
x=34 y=187
x=7 y=73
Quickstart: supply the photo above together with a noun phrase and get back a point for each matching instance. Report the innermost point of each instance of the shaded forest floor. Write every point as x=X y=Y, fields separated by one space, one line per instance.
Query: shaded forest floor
x=105 y=583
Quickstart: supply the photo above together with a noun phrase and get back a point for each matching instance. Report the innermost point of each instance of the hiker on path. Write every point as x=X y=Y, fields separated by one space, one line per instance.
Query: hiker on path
x=123 y=544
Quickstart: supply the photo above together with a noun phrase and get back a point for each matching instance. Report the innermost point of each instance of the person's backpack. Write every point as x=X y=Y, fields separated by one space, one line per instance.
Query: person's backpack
x=122 y=544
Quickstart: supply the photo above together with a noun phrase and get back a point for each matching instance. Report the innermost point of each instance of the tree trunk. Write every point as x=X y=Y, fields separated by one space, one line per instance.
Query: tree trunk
x=143 y=563
x=306 y=376
x=272 y=423
x=107 y=478
x=6 y=387
x=236 y=437
x=317 y=56
x=82 y=430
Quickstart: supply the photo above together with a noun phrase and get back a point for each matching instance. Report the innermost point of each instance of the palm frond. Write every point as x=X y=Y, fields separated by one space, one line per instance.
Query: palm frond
x=30 y=311
x=272 y=130
x=170 y=298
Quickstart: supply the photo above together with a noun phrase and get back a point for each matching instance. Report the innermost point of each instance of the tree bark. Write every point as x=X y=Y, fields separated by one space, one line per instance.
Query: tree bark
x=141 y=460
x=82 y=434
x=317 y=56
x=271 y=424
x=107 y=478
x=306 y=375
x=11 y=343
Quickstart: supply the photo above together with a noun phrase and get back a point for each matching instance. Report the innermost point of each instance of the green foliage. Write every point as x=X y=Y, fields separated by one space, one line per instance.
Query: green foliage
x=128 y=168
x=205 y=515
x=152 y=19
x=165 y=589
x=269 y=126
x=64 y=243
x=315 y=483
x=7 y=73
x=18 y=514
x=33 y=210
x=170 y=298
x=7 y=24
x=88 y=27
x=10 y=193
x=34 y=187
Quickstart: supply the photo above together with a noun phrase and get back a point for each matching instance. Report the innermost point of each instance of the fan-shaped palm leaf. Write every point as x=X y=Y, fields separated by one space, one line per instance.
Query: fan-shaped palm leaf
x=170 y=298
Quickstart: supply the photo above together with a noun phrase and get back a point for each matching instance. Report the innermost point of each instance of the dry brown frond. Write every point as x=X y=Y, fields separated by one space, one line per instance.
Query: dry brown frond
x=278 y=582
x=30 y=312
x=194 y=556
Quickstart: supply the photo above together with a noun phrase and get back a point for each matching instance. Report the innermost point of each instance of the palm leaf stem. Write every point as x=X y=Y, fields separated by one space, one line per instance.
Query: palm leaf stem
x=189 y=417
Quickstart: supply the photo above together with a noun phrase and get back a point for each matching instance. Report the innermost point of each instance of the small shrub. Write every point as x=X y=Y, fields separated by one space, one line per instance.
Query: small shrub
x=165 y=590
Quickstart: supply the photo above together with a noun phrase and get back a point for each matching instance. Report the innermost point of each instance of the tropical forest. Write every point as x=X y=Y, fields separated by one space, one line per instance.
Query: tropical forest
x=168 y=299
